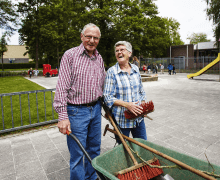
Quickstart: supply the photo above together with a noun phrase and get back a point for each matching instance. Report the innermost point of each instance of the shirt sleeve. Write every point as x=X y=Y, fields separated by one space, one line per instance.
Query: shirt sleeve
x=62 y=87
x=109 y=92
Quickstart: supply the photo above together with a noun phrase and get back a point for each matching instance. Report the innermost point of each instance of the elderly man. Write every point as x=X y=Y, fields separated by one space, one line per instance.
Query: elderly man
x=123 y=90
x=79 y=86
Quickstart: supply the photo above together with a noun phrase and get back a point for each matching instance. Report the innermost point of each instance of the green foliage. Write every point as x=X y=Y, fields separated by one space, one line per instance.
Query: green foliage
x=50 y=27
x=3 y=45
x=213 y=12
x=195 y=38
x=17 y=84
x=7 y=15
x=20 y=65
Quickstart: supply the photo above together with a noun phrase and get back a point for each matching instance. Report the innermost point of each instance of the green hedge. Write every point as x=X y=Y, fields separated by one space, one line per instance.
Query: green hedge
x=20 y=66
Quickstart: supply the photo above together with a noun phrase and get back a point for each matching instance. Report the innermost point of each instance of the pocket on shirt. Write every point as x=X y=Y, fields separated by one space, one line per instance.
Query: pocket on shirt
x=72 y=110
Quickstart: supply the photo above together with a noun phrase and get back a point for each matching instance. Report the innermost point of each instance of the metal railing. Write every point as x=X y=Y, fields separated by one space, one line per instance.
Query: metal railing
x=12 y=116
x=182 y=63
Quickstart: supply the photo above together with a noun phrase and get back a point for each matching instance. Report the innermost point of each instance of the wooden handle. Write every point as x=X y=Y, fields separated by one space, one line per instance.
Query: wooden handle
x=179 y=163
x=122 y=139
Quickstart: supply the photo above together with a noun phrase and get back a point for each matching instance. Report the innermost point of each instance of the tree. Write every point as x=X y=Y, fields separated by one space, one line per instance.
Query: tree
x=8 y=15
x=195 y=38
x=213 y=12
x=3 y=47
x=56 y=25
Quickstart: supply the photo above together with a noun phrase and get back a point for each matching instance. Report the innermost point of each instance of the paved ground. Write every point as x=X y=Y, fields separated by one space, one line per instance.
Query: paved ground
x=186 y=119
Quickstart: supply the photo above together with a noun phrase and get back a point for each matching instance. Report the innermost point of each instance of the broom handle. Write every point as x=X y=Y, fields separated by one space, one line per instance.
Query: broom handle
x=183 y=165
x=122 y=139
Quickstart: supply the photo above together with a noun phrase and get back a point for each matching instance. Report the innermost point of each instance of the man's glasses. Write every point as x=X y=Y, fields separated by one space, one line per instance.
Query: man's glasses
x=90 y=37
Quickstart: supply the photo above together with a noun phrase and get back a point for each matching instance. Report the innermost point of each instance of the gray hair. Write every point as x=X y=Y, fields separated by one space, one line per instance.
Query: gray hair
x=125 y=43
x=90 y=25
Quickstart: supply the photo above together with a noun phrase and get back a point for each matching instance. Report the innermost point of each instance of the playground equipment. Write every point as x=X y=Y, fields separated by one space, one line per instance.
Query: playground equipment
x=203 y=70
x=47 y=71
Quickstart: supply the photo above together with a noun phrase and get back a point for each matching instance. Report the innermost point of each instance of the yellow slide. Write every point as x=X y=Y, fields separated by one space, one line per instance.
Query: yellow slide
x=205 y=68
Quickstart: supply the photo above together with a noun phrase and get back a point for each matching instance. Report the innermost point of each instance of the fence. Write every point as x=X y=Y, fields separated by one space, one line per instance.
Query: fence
x=22 y=110
x=183 y=63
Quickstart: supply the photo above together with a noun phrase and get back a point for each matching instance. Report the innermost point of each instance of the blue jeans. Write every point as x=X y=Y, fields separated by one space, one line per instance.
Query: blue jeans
x=86 y=126
x=138 y=132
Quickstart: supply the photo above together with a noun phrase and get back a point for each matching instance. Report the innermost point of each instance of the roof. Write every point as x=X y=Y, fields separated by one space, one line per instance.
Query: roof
x=205 y=45
x=15 y=51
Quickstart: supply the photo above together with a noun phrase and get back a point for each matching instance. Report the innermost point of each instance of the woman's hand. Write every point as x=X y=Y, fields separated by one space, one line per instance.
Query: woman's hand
x=134 y=108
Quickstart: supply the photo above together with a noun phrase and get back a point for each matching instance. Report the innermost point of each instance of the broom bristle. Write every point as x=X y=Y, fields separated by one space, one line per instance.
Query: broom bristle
x=145 y=172
x=147 y=107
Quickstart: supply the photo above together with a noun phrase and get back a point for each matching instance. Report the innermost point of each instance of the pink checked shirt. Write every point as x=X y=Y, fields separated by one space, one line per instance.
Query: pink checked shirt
x=81 y=79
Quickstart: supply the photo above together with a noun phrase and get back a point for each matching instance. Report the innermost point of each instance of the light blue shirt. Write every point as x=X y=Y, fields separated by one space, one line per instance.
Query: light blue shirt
x=119 y=85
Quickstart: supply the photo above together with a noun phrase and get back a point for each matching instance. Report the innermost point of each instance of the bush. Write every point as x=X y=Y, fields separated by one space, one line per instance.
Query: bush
x=20 y=66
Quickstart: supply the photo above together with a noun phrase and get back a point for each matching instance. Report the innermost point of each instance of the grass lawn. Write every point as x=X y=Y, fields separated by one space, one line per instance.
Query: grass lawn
x=18 y=84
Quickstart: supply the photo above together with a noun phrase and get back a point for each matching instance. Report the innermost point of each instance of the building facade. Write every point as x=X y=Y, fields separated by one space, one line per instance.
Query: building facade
x=15 y=54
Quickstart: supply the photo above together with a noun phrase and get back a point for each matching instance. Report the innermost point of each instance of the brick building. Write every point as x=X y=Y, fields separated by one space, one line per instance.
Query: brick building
x=194 y=54
x=15 y=54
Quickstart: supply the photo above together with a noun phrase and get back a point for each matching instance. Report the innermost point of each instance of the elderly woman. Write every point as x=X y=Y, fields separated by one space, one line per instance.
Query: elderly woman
x=123 y=90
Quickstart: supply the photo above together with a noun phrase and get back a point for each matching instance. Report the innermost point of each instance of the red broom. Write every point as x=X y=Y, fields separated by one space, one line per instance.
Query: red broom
x=143 y=173
x=147 y=108
x=137 y=171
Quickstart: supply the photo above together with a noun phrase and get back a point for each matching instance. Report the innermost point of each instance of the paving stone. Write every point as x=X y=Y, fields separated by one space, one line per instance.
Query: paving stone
x=162 y=136
x=178 y=134
x=7 y=169
x=25 y=157
x=62 y=146
x=59 y=139
x=49 y=156
x=20 y=140
x=176 y=142
x=66 y=155
x=25 y=168
x=44 y=147
x=23 y=148
x=40 y=139
x=33 y=175
x=5 y=157
x=55 y=165
x=8 y=177
x=195 y=151
x=63 y=174
x=5 y=146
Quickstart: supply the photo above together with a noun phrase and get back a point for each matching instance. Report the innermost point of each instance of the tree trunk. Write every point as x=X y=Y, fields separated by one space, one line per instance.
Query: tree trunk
x=2 y=62
x=37 y=49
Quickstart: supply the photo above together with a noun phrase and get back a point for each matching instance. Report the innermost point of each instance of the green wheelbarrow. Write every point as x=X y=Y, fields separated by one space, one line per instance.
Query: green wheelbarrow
x=117 y=159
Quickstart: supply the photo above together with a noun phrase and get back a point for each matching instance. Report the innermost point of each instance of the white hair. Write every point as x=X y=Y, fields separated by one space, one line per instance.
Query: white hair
x=125 y=43
x=90 y=25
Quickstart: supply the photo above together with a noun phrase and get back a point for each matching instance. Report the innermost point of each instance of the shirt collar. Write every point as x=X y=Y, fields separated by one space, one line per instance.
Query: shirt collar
x=84 y=51
x=119 y=69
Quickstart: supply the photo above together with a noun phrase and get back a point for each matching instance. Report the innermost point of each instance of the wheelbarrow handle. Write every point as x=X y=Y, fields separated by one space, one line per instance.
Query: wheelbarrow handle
x=100 y=176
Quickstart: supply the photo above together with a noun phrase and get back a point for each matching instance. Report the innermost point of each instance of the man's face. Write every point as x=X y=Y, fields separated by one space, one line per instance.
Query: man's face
x=122 y=54
x=90 y=39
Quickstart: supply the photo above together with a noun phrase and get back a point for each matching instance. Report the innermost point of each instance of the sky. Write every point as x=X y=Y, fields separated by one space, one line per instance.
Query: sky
x=190 y=14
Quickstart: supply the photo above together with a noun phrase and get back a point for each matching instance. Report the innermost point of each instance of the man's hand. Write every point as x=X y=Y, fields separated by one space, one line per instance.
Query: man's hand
x=63 y=126
x=134 y=108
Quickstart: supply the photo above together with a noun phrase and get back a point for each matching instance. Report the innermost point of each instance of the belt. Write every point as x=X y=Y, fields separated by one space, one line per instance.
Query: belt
x=87 y=104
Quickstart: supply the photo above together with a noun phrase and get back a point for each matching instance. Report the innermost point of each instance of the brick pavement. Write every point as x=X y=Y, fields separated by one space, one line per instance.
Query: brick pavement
x=186 y=119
